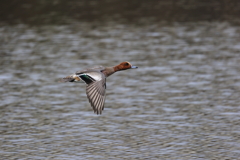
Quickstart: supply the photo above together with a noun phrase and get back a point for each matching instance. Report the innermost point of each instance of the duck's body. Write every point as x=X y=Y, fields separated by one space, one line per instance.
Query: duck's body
x=95 y=78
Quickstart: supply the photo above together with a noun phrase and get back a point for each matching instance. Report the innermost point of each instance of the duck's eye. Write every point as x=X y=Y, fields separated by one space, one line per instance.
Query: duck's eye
x=126 y=64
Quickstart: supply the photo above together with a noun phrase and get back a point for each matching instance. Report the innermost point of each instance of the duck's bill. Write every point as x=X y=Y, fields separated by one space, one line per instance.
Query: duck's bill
x=134 y=67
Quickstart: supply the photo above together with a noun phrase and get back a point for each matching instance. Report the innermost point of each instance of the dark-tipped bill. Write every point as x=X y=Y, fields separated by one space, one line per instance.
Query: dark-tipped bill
x=134 y=67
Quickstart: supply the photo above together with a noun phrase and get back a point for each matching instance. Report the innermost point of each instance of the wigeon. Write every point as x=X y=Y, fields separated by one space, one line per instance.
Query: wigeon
x=95 y=78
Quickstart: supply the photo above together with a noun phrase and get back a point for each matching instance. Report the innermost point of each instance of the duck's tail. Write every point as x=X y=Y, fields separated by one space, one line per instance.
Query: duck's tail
x=71 y=78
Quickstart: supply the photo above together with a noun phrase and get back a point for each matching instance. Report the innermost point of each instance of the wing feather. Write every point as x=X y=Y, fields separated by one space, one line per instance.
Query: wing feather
x=96 y=95
x=96 y=68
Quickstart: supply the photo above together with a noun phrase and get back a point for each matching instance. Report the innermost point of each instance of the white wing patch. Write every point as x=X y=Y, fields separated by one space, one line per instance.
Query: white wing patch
x=95 y=75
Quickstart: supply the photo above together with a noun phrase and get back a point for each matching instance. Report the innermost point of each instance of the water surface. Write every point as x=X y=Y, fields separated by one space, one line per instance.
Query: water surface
x=181 y=103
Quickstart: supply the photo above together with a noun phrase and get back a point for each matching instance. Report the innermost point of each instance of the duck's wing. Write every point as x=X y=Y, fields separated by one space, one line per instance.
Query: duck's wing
x=96 y=95
x=96 y=68
x=96 y=86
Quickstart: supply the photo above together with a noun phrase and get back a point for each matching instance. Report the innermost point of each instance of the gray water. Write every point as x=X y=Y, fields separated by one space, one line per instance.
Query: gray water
x=181 y=103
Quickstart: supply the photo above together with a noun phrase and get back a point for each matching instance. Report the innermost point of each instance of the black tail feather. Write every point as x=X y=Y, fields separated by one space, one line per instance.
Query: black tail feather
x=66 y=79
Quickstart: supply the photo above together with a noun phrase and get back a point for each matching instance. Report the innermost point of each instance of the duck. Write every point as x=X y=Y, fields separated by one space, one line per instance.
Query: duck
x=95 y=80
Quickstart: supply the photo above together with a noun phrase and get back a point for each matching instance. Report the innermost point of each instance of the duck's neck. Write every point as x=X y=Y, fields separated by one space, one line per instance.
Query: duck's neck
x=117 y=68
x=109 y=71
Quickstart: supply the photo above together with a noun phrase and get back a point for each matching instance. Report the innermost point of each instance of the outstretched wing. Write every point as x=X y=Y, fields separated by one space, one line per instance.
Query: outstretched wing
x=96 y=95
x=96 y=68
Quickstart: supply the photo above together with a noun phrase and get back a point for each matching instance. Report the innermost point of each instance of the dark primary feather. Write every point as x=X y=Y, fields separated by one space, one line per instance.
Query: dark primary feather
x=96 y=95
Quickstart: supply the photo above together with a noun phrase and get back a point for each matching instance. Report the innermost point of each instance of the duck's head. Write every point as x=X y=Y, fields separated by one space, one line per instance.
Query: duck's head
x=124 y=66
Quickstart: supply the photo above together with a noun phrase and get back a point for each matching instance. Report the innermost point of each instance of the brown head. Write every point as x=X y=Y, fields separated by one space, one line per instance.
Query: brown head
x=124 y=66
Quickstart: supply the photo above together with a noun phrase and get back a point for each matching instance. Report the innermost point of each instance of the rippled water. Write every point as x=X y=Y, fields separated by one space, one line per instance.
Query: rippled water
x=181 y=103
